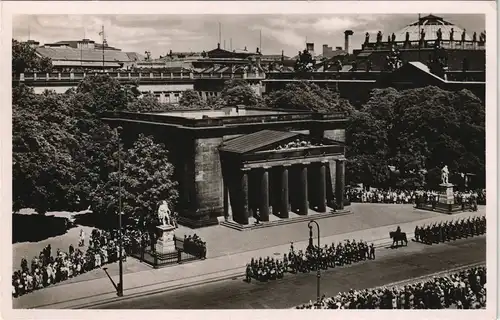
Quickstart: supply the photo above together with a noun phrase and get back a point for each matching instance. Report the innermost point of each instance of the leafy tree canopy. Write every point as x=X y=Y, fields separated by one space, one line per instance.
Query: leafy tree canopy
x=146 y=179
x=304 y=95
x=191 y=100
x=418 y=130
x=239 y=92
x=25 y=58
x=64 y=156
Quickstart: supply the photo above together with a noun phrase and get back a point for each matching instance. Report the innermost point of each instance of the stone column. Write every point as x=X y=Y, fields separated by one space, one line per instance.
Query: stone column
x=303 y=191
x=264 y=195
x=242 y=216
x=226 y=200
x=340 y=184
x=322 y=188
x=284 y=203
x=275 y=190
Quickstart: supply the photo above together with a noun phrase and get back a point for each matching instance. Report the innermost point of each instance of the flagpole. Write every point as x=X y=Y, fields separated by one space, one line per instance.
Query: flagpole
x=120 y=238
x=419 y=35
x=103 y=40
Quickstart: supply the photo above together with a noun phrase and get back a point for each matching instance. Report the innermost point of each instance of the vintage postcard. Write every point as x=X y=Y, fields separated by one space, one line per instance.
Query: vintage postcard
x=296 y=156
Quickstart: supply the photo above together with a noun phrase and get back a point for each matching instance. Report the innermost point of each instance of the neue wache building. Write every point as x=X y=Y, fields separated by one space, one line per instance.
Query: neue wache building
x=241 y=163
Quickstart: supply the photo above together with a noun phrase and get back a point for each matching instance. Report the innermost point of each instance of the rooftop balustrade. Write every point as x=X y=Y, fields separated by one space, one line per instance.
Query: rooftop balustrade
x=146 y=76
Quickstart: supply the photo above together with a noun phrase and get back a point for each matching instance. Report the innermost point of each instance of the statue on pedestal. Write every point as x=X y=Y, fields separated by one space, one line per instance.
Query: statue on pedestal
x=444 y=175
x=164 y=214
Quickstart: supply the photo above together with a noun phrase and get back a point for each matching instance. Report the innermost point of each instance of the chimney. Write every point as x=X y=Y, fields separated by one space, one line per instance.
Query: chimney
x=218 y=45
x=347 y=34
x=245 y=48
x=257 y=50
x=310 y=48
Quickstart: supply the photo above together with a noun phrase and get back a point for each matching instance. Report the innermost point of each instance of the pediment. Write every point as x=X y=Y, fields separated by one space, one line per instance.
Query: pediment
x=272 y=140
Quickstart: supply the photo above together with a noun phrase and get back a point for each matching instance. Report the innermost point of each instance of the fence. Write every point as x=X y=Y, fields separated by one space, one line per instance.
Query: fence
x=147 y=253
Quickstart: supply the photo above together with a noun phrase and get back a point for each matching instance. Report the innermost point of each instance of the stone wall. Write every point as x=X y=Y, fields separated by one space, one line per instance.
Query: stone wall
x=208 y=178
x=336 y=134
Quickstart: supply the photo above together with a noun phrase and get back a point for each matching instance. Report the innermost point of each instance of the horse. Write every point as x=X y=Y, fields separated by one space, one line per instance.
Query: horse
x=398 y=237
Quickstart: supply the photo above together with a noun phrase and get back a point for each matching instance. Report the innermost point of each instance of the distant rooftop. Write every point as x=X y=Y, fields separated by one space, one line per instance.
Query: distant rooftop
x=222 y=113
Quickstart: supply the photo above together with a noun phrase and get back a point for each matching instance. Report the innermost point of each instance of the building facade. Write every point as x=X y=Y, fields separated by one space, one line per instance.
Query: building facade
x=241 y=163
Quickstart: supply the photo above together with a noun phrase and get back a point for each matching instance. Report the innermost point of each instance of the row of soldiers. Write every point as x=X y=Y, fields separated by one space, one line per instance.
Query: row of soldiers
x=311 y=259
x=451 y=230
x=265 y=269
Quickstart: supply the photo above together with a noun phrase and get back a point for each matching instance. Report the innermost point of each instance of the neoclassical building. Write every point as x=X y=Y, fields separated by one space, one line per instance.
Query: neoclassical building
x=242 y=163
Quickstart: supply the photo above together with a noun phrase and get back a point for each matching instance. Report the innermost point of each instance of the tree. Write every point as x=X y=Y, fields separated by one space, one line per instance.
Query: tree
x=367 y=150
x=105 y=93
x=148 y=103
x=418 y=130
x=191 y=100
x=305 y=95
x=25 y=57
x=239 y=92
x=146 y=179
x=41 y=144
x=63 y=151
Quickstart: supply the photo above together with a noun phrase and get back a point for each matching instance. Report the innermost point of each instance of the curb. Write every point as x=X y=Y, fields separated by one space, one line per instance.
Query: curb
x=233 y=275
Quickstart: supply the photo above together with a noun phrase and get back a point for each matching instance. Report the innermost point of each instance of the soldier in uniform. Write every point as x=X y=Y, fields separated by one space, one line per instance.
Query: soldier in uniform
x=372 y=252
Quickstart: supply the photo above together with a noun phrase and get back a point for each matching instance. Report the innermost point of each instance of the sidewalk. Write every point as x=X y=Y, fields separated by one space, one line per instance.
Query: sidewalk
x=85 y=293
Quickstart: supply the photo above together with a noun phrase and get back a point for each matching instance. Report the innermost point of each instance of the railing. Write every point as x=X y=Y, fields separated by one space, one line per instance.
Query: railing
x=416 y=44
x=147 y=254
x=157 y=76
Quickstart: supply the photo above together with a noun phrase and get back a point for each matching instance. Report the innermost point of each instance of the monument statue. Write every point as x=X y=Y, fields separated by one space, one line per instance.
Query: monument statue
x=164 y=214
x=444 y=175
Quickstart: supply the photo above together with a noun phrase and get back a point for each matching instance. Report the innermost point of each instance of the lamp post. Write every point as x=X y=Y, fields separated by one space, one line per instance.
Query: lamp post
x=318 y=274
x=119 y=289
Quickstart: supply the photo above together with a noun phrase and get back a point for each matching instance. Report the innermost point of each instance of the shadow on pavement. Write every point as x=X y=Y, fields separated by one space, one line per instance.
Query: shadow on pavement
x=36 y=227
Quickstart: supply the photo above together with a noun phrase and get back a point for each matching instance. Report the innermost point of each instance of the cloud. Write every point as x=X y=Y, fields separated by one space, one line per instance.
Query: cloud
x=160 y=33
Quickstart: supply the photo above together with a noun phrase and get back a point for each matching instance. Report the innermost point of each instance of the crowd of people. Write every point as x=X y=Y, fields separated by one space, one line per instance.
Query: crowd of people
x=47 y=269
x=102 y=248
x=314 y=257
x=470 y=198
x=461 y=290
x=451 y=230
x=195 y=246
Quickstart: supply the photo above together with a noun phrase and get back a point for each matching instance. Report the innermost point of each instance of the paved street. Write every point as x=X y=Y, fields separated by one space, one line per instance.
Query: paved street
x=94 y=287
x=392 y=265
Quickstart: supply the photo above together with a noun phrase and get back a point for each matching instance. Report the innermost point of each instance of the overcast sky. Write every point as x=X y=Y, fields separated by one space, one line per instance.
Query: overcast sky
x=161 y=33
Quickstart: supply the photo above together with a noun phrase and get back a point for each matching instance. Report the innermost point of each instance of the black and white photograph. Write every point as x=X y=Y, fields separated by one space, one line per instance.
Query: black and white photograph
x=251 y=158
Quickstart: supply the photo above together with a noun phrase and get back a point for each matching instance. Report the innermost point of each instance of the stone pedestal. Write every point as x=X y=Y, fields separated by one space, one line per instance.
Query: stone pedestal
x=446 y=199
x=445 y=195
x=165 y=242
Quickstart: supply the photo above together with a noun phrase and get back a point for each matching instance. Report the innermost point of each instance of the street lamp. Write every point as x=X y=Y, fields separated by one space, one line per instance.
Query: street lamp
x=318 y=273
x=119 y=289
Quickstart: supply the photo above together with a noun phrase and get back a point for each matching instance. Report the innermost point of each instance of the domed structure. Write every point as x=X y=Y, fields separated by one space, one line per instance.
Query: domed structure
x=431 y=24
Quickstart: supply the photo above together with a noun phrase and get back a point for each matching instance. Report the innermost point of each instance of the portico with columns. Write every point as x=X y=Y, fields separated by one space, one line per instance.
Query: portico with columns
x=272 y=172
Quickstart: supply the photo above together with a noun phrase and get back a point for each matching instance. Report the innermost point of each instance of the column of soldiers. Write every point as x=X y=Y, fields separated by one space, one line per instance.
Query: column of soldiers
x=450 y=230
x=309 y=260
